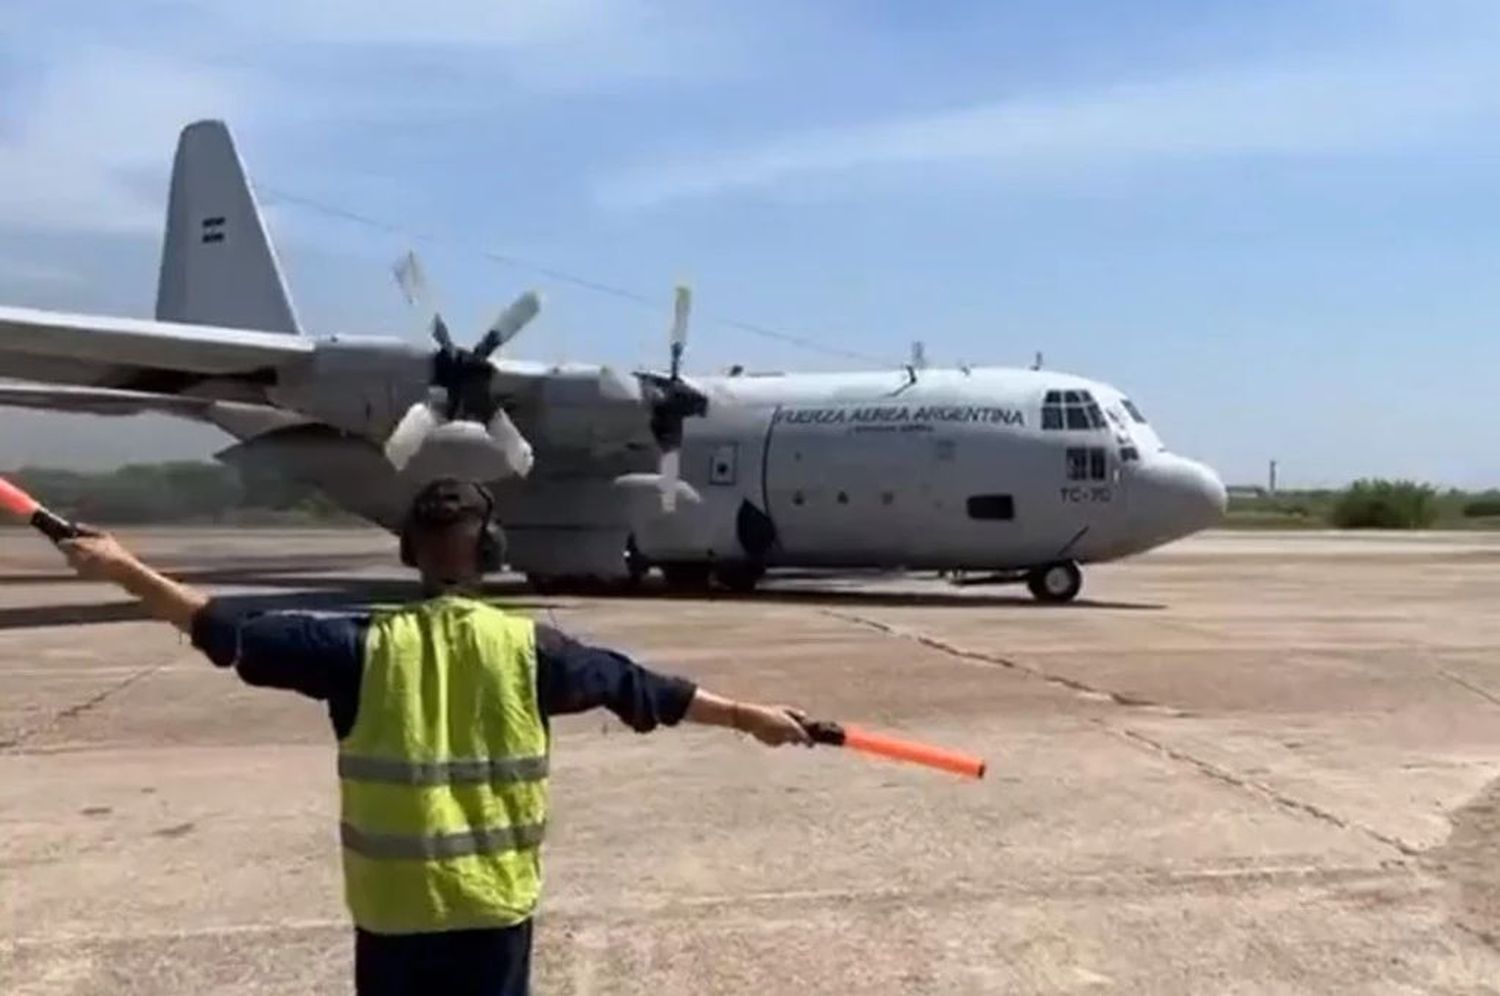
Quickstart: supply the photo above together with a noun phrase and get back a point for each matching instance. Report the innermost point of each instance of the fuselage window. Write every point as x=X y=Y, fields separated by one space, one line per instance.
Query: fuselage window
x=1074 y=410
x=1135 y=412
x=1087 y=463
x=995 y=507
x=1078 y=463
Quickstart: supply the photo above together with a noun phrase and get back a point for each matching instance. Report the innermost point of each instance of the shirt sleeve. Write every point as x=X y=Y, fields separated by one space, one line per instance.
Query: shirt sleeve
x=318 y=656
x=573 y=677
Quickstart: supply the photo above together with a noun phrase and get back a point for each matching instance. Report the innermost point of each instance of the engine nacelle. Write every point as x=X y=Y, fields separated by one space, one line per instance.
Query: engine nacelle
x=360 y=386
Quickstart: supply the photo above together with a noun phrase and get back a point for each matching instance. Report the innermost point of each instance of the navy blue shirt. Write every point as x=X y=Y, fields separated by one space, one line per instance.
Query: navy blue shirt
x=323 y=656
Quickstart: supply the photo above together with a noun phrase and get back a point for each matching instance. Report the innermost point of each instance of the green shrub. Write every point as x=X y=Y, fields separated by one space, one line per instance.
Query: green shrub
x=182 y=491
x=1378 y=504
x=1487 y=507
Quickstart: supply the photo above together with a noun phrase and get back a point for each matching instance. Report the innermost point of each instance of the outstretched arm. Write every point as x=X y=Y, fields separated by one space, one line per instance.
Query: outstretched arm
x=100 y=557
x=573 y=677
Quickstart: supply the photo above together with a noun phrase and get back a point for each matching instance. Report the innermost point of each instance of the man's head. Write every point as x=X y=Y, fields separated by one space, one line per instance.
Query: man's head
x=448 y=534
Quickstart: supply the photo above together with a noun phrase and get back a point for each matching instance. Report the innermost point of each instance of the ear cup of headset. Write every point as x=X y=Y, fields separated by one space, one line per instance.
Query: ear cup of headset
x=491 y=548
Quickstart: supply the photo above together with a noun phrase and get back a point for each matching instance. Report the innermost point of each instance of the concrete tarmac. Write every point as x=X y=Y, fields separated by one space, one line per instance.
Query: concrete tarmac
x=1248 y=763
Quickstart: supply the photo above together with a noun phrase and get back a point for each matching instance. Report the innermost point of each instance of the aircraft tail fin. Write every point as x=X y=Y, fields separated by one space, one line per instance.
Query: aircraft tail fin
x=217 y=264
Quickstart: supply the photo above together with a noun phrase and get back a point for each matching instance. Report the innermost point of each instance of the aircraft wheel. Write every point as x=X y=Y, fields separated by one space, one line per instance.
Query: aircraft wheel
x=636 y=564
x=740 y=578
x=686 y=577
x=1055 y=583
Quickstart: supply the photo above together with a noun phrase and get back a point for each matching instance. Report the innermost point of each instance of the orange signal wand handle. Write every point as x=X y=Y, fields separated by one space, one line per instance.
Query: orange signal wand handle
x=895 y=748
x=21 y=505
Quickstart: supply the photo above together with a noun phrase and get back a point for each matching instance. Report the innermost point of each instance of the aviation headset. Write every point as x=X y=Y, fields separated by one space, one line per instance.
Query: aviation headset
x=449 y=500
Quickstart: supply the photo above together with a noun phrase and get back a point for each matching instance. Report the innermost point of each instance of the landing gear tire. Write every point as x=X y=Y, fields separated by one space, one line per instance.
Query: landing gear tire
x=547 y=584
x=636 y=565
x=741 y=578
x=686 y=577
x=1055 y=584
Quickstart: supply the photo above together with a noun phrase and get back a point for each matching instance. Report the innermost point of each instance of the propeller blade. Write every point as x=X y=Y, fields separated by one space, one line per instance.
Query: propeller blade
x=440 y=333
x=411 y=279
x=517 y=450
x=510 y=321
x=681 y=308
x=418 y=422
x=671 y=472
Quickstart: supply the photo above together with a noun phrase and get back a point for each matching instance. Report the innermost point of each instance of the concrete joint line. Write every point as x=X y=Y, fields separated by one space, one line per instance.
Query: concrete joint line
x=991 y=660
x=1264 y=791
x=14 y=745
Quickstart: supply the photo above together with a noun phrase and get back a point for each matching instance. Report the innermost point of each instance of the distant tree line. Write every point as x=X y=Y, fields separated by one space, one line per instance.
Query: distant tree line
x=1369 y=504
x=178 y=492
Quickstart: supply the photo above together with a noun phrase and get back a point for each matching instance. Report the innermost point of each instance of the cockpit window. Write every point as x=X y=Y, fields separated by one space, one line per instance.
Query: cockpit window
x=1135 y=412
x=1071 y=410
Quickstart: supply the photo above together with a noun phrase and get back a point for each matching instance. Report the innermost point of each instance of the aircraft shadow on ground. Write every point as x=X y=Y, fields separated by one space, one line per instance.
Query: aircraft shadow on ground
x=332 y=593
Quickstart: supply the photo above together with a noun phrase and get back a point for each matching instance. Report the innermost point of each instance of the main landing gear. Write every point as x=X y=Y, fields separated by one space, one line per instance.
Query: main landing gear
x=700 y=577
x=680 y=577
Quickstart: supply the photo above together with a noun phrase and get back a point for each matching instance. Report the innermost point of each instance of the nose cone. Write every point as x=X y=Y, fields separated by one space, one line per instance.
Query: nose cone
x=1178 y=497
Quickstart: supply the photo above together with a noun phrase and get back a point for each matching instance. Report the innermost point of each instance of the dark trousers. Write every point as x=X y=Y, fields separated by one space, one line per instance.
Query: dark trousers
x=451 y=963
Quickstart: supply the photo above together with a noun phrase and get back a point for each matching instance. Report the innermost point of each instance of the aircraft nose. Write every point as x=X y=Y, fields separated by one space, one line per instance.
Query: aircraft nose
x=1182 y=496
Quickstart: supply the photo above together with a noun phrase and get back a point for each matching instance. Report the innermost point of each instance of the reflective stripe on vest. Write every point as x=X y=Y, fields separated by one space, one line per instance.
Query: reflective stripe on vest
x=400 y=847
x=443 y=778
x=394 y=771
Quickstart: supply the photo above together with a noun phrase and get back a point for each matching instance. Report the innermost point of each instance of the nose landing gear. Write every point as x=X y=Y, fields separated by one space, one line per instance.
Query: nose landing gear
x=1055 y=583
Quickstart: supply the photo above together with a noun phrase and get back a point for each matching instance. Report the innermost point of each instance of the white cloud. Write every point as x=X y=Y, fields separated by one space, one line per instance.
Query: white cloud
x=1332 y=109
x=26 y=271
x=88 y=153
x=87 y=144
x=536 y=44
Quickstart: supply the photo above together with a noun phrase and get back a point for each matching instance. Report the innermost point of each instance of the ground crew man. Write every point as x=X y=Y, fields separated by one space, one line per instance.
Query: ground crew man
x=441 y=709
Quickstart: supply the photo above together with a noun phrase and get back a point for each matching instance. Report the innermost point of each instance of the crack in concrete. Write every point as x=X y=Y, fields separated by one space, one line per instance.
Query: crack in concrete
x=979 y=657
x=1207 y=768
x=1462 y=683
x=1076 y=884
x=1264 y=791
x=20 y=739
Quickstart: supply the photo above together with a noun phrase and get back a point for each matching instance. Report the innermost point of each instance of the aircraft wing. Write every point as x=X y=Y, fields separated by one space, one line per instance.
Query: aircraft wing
x=137 y=355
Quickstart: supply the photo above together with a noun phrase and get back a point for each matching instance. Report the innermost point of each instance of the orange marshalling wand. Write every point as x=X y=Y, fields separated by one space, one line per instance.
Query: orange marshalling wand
x=21 y=505
x=834 y=734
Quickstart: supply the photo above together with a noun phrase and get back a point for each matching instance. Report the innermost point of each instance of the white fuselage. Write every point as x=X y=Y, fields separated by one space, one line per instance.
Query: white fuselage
x=937 y=469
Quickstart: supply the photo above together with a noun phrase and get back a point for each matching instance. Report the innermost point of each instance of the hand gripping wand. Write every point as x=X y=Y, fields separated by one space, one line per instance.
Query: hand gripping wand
x=28 y=509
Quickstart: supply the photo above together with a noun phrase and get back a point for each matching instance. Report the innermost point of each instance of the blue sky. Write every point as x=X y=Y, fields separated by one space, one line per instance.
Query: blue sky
x=1277 y=225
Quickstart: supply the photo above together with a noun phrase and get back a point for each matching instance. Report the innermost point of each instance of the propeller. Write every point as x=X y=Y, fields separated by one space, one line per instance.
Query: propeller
x=673 y=401
x=460 y=386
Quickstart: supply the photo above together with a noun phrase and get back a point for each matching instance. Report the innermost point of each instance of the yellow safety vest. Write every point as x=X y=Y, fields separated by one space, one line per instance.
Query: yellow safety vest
x=443 y=779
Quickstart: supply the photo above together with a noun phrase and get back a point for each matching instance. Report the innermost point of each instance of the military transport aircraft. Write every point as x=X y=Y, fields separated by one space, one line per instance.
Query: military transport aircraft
x=1021 y=474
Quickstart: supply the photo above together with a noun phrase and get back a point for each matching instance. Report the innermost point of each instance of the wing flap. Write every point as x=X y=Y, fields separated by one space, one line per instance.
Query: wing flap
x=100 y=401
